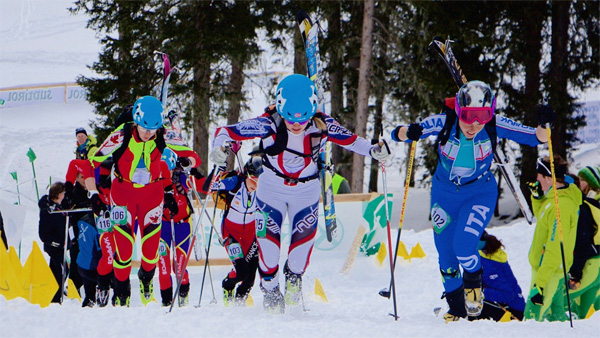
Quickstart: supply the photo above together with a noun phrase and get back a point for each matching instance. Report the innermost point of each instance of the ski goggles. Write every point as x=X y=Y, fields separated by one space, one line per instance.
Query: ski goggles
x=470 y=115
x=300 y=123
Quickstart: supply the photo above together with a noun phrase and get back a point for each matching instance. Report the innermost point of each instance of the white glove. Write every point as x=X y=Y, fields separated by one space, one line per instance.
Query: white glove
x=219 y=156
x=380 y=153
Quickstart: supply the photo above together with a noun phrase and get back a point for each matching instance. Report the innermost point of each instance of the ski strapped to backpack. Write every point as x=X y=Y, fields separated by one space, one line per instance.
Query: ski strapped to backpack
x=443 y=49
x=310 y=37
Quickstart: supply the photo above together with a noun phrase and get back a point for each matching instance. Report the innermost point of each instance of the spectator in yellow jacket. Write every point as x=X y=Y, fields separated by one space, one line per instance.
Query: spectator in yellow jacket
x=547 y=297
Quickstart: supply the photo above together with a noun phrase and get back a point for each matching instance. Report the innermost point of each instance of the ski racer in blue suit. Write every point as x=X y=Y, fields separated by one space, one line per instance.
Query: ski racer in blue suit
x=292 y=134
x=464 y=191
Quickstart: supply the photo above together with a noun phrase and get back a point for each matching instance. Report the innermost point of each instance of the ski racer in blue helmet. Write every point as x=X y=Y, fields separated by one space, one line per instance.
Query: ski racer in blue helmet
x=147 y=113
x=297 y=99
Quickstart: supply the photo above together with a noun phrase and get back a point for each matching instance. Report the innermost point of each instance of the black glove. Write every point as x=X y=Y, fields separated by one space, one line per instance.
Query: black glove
x=98 y=207
x=184 y=162
x=196 y=173
x=537 y=298
x=536 y=189
x=414 y=131
x=545 y=114
x=171 y=203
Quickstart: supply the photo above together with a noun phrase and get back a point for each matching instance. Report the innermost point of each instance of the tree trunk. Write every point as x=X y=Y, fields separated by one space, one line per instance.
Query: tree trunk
x=374 y=175
x=334 y=45
x=235 y=98
x=201 y=111
x=532 y=26
x=362 y=111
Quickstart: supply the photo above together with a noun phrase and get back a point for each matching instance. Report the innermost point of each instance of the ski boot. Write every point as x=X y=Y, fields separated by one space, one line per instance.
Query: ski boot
x=240 y=299
x=473 y=292
x=227 y=297
x=103 y=289
x=102 y=296
x=146 y=287
x=167 y=296
x=122 y=293
x=273 y=300
x=456 y=302
x=293 y=287
x=184 y=295
x=88 y=302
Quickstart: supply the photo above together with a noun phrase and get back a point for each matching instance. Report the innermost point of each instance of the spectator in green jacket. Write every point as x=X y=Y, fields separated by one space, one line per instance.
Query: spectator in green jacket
x=340 y=185
x=547 y=297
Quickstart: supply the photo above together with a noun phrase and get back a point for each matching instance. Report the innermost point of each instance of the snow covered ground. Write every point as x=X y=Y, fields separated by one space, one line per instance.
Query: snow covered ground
x=42 y=43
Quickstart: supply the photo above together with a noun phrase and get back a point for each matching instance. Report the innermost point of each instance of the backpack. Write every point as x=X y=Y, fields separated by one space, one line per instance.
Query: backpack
x=595 y=211
x=448 y=110
x=223 y=198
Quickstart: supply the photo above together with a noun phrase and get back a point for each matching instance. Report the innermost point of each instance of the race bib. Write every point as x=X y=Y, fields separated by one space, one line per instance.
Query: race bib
x=141 y=176
x=439 y=218
x=103 y=224
x=162 y=247
x=118 y=216
x=261 y=224
x=235 y=251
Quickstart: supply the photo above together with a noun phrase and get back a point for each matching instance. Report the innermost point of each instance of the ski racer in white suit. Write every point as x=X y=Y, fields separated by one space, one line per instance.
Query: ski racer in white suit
x=292 y=134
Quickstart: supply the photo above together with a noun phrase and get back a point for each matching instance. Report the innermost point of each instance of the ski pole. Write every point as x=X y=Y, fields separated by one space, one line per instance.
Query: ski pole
x=174 y=246
x=64 y=262
x=413 y=148
x=206 y=263
x=187 y=258
x=389 y=236
x=558 y=223
x=16 y=178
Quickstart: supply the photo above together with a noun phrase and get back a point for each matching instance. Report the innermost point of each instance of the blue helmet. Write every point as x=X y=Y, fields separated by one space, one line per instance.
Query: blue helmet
x=297 y=98
x=170 y=157
x=147 y=112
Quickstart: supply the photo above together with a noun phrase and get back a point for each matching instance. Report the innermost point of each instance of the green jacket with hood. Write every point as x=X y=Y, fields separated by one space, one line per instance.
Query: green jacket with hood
x=544 y=254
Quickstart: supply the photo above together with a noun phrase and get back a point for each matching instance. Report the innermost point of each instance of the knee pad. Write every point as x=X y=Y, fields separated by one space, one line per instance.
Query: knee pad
x=450 y=274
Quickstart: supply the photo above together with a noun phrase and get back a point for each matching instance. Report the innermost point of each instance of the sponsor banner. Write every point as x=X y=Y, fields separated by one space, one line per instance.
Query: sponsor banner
x=42 y=94
x=591 y=132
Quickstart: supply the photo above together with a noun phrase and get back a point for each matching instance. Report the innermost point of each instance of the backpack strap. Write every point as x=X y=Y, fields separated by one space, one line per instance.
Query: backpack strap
x=127 y=134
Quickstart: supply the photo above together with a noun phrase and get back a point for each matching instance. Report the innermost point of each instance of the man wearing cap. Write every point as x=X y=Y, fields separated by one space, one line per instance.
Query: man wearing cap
x=547 y=297
x=86 y=145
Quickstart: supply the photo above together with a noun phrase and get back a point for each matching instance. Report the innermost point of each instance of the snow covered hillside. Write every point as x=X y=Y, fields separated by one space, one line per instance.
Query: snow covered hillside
x=42 y=43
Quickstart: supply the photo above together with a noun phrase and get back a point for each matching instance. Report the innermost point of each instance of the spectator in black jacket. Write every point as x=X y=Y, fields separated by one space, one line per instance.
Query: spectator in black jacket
x=52 y=232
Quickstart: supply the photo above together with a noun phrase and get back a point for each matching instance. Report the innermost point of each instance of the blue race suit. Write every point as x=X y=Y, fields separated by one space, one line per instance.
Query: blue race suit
x=463 y=201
